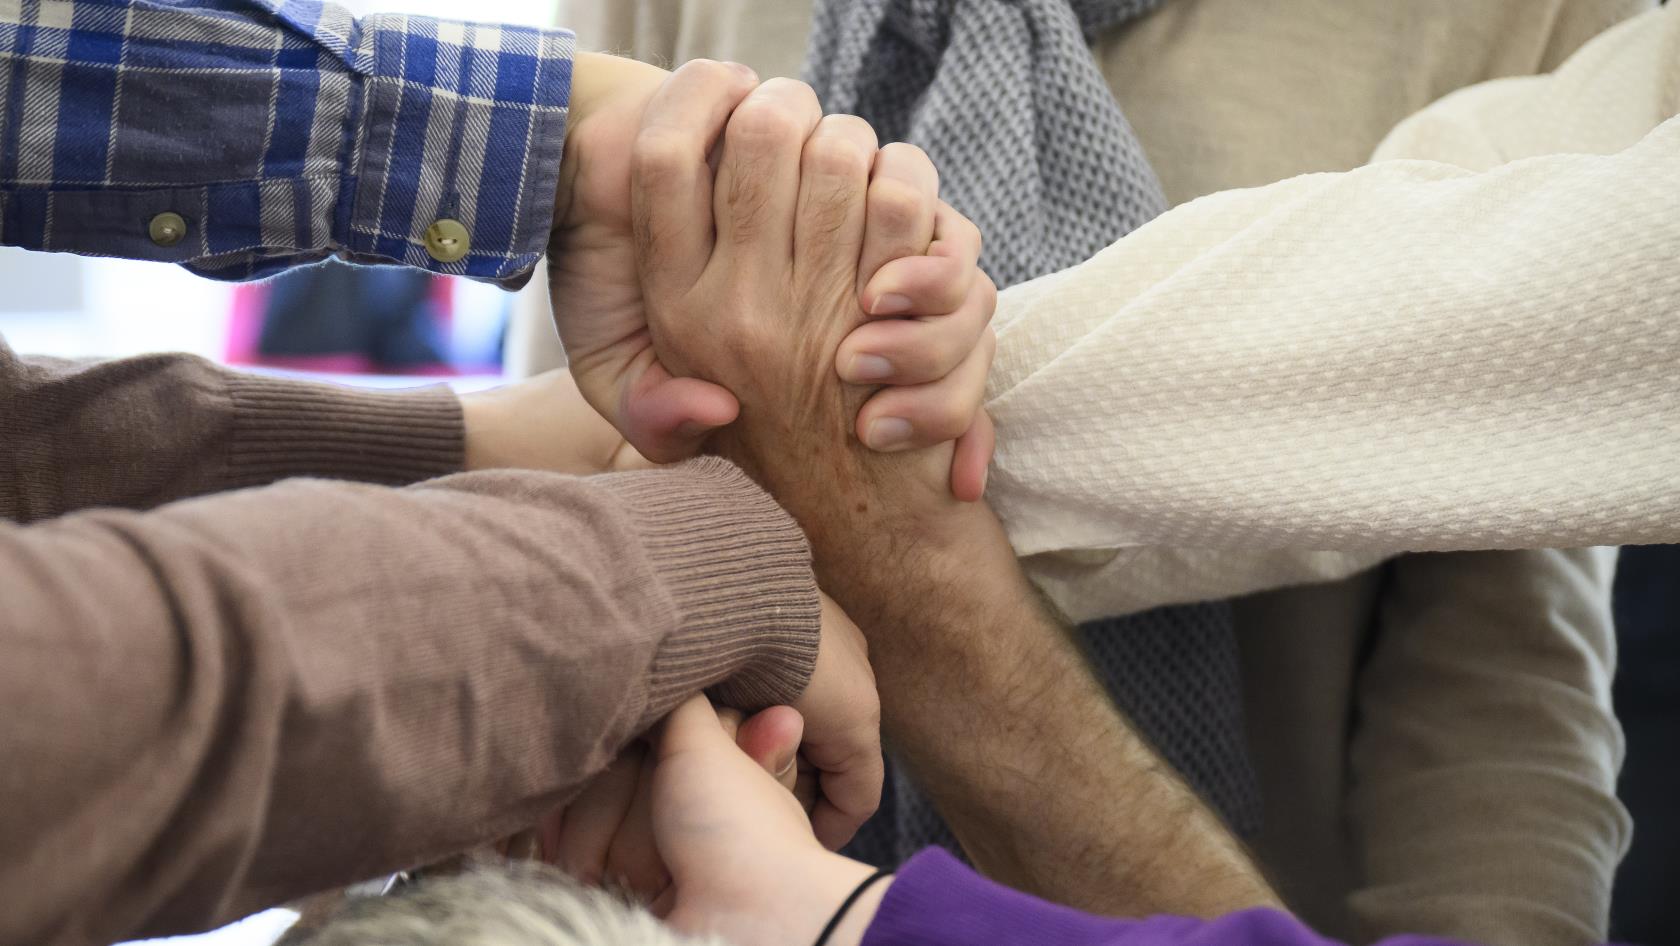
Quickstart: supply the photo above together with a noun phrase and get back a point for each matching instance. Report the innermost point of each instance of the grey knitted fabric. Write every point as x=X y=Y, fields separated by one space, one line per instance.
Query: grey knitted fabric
x=1005 y=97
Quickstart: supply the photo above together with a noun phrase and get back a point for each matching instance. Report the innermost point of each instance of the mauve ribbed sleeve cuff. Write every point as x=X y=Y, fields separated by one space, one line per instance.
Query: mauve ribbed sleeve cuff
x=936 y=901
x=739 y=571
x=283 y=427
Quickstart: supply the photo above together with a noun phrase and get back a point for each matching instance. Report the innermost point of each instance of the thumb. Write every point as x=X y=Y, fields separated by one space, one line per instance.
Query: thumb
x=972 y=459
x=667 y=419
x=771 y=739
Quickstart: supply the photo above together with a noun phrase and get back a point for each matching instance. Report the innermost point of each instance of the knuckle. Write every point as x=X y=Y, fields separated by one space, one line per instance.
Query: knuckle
x=988 y=300
x=925 y=365
x=662 y=153
x=895 y=205
x=764 y=121
x=745 y=340
x=708 y=70
x=833 y=153
x=905 y=151
x=909 y=159
x=949 y=423
x=870 y=728
x=795 y=93
x=975 y=237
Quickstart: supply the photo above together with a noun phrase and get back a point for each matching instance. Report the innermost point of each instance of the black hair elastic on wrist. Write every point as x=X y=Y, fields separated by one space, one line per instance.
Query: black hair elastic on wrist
x=846 y=905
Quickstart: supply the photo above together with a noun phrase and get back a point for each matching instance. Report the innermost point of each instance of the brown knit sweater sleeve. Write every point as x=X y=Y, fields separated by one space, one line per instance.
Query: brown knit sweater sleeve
x=232 y=701
x=144 y=431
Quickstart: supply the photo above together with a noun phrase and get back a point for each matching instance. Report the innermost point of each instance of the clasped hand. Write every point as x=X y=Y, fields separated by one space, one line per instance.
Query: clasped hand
x=663 y=291
x=800 y=286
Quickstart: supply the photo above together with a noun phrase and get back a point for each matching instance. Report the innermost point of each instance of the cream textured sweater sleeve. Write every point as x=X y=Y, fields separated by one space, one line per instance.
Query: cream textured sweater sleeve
x=1416 y=355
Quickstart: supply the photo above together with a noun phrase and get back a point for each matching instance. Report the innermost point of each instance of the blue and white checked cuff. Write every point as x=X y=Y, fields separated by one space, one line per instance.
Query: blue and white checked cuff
x=244 y=137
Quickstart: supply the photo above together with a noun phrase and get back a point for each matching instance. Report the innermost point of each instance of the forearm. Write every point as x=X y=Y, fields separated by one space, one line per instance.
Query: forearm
x=1418 y=385
x=993 y=708
x=277 y=139
x=233 y=701
x=1361 y=392
x=145 y=431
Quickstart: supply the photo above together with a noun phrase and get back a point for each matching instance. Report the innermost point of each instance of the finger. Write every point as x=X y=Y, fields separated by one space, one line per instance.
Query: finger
x=758 y=179
x=805 y=786
x=833 y=200
x=729 y=720
x=548 y=835
x=696 y=727
x=903 y=418
x=903 y=205
x=662 y=905
x=930 y=283
x=668 y=419
x=850 y=790
x=916 y=350
x=670 y=173
x=594 y=817
x=972 y=461
x=523 y=846
x=771 y=739
x=633 y=862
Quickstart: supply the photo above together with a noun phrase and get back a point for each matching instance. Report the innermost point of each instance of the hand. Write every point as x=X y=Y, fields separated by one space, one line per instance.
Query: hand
x=542 y=423
x=604 y=837
x=592 y=263
x=842 y=740
x=744 y=864
x=791 y=213
x=933 y=307
x=606 y=831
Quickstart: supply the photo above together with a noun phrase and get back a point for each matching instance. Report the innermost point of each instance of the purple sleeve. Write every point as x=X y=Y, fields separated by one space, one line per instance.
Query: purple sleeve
x=936 y=901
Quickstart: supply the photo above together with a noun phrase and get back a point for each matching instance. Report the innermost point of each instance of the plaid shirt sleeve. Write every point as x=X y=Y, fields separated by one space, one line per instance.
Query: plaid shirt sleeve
x=244 y=137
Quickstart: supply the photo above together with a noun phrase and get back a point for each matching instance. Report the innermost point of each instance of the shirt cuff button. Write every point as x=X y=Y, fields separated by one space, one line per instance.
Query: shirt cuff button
x=167 y=229
x=447 y=241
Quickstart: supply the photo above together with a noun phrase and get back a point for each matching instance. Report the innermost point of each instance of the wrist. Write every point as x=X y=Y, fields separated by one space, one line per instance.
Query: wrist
x=835 y=880
x=601 y=84
x=585 y=98
x=540 y=423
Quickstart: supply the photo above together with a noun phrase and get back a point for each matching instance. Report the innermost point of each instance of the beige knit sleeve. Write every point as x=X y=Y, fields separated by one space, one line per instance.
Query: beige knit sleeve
x=141 y=432
x=233 y=701
x=1410 y=356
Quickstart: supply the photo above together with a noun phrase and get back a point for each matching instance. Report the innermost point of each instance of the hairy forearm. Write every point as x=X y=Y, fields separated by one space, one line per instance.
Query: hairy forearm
x=992 y=706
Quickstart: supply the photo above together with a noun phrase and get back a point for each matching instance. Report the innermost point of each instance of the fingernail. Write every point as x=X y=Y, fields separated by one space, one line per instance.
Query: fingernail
x=890 y=303
x=868 y=368
x=786 y=767
x=745 y=70
x=888 y=433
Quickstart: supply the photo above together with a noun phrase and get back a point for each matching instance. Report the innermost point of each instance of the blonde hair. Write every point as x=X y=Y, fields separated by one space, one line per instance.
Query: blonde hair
x=520 y=904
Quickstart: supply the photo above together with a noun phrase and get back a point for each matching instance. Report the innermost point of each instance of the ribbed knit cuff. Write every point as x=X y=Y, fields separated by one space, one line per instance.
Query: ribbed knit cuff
x=935 y=900
x=284 y=428
x=739 y=571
